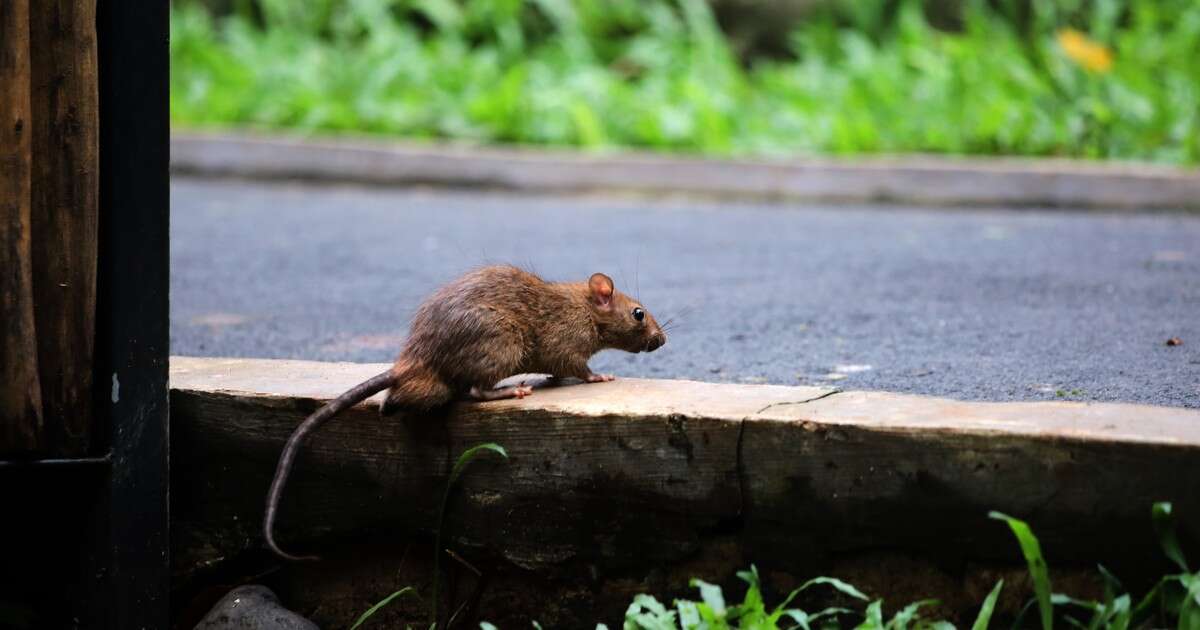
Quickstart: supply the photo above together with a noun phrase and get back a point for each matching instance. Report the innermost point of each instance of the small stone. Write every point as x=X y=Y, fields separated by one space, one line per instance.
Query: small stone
x=252 y=607
x=1174 y=341
x=852 y=368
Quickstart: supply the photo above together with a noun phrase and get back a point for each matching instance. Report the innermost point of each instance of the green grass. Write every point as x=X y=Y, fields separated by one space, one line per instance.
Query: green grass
x=1174 y=602
x=459 y=466
x=867 y=77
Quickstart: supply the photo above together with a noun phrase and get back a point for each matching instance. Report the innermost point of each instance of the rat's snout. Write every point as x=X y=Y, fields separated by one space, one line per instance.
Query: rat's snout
x=656 y=341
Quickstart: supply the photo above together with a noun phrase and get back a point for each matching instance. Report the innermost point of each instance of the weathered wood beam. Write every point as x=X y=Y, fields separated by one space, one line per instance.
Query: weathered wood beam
x=21 y=424
x=637 y=472
x=65 y=214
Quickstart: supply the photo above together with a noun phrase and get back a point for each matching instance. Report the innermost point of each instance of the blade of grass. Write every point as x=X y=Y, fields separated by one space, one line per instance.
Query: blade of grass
x=1119 y=613
x=907 y=614
x=799 y=616
x=989 y=605
x=689 y=616
x=1149 y=603
x=1032 y=550
x=752 y=610
x=805 y=620
x=1019 y=622
x=455 y=472
x=1189 y=611
x=874 y=616
x=710 y=594
x=835 y=583
x=831 y=611
x=1164 y=526
x=374 y=609
x=1112 y=585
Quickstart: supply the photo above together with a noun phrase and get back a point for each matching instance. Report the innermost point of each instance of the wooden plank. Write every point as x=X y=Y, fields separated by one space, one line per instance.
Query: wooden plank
x=20 y=395
x=641 y=473
x=921 y=474
x=628 y=477
x=64 y=211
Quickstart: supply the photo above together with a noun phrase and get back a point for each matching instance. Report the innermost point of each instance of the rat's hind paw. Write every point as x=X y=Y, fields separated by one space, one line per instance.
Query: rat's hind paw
x=516 y=391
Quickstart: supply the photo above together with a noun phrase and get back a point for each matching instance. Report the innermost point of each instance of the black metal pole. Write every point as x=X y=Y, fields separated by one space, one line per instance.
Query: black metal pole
x=132 y=313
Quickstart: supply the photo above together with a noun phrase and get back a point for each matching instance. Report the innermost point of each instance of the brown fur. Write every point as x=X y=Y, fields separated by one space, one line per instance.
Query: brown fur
x=489 y=324
x=499 y=321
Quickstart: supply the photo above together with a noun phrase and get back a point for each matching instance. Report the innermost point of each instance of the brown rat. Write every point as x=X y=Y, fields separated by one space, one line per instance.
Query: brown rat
x=487 y=325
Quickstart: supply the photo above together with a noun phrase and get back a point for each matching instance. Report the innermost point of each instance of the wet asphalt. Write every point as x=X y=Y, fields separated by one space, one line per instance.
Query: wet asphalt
x=978 y=304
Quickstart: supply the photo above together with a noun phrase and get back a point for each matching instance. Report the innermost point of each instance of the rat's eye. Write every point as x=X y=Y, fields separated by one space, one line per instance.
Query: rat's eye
x=639 y=314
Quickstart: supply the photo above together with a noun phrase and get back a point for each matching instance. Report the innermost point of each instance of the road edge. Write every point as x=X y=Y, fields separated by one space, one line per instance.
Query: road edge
x=917 y=179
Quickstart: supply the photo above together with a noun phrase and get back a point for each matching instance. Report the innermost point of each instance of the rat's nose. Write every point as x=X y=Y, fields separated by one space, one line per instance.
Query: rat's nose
x=656 y=342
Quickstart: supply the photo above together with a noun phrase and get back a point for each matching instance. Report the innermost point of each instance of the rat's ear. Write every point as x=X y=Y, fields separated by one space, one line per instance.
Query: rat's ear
x=601 y=287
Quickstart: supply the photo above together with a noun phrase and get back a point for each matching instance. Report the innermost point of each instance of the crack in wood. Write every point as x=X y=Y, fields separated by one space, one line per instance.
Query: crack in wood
x=799 y=402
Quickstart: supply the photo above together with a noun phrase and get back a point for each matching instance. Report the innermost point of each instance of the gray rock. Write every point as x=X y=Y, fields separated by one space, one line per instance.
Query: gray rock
x=252 y=607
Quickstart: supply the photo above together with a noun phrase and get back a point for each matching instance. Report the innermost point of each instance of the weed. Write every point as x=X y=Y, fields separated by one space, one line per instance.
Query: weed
x=1173 y=601
x=1087 y=78
x=459 y=465
x=380 y=604
x=1175 y=598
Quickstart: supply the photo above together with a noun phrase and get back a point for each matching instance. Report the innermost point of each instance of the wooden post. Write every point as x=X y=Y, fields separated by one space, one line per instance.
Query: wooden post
x=64 y=212
x=20 y=395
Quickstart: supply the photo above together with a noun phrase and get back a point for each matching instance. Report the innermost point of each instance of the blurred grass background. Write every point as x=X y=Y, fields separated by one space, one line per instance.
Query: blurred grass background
x=1100 y=79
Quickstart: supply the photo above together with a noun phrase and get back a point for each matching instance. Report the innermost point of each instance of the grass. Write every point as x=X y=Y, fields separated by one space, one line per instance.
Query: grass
x=1080 y=78
x=459 y=466
x=1173 y=602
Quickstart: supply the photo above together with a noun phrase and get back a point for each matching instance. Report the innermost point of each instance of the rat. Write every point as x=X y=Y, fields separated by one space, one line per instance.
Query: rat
x=490 y=324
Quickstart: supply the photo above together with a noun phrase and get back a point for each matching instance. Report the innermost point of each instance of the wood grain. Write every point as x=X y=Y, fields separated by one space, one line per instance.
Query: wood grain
x=65 y=207
x=21 y=424
x=636 y=473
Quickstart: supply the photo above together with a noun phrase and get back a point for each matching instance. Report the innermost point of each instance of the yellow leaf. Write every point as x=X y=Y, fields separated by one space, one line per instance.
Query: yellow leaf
x=1091 y=55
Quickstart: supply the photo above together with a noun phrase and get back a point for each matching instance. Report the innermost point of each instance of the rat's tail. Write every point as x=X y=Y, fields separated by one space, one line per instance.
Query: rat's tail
x=355 y=395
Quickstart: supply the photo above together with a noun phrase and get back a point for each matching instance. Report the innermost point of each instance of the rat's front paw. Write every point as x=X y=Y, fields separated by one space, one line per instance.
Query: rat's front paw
x=600 y=378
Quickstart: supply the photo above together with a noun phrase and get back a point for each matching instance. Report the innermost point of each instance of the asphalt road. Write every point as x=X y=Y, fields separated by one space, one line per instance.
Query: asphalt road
x=969 y=304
